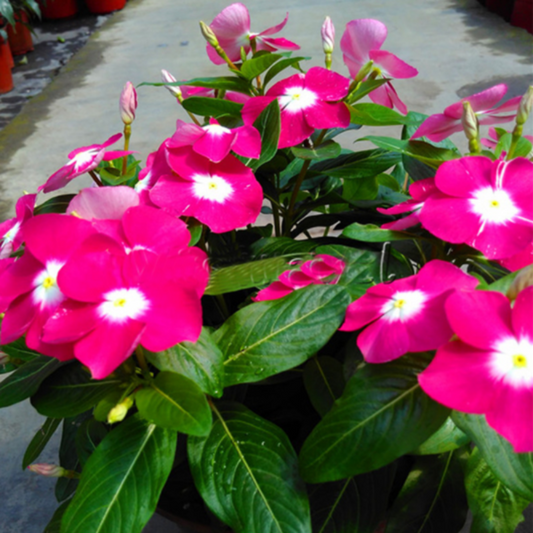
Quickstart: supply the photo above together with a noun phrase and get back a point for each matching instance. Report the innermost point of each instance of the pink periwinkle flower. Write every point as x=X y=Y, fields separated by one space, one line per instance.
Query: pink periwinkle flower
x=408 y=314
x=83 y=160
x=489 y=370
x=10 y=234
x=494 y=137
x=520 y=260
x=484 y=104
x=307 y=102
x=128 y=103
x=232 y=29
x=420 y=191
x=483 y=203
x=361 y=43
x=223 y=196
x=215 y=141
x=319 y=270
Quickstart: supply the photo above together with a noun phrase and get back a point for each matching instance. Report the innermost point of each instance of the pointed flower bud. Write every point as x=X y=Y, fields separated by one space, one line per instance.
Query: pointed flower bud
x=167 y=77
x=119 y=412
x=328 y=36
x=128 y=103
x=47 y=470
x=523 y=279
x=469 y=122
x=524 y=108
x=209 y=34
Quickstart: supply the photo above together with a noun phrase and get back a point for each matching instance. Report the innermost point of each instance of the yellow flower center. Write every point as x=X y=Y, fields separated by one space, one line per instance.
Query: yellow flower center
x=519 y=361
x=120 y=302
x=399 y=303
x=48 y=282
x=495 y=203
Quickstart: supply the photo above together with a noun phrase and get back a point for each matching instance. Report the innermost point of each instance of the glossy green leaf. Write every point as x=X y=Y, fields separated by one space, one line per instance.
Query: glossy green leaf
x=251 y=68
x=365 y=88
x=324 y=382
x=201 y=361
x=247 y=472
x=382 y=415
x=54 y=526
x=129 y=469
x=89 y=435
x=57 y=204
x=494 y=507
x=433 y=498
x=276 y=246
x=173 y=401
x=25 y=381
x=268 y=123
x=503 y=284
x=326 y=150
x=211 y=107
x=71 y=391
x=245 y=276
x=376 y=115
x=515 y=470
x=267 y=338
x=39 y=441
x=447 y=438
x=19 y=350
x=282 y=65
x=225 y=83
x=373 y=233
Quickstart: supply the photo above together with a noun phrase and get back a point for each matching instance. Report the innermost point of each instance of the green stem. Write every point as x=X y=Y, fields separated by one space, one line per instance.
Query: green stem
x=139 y=353
x=223 y=307
x=517 y=134
x=127 y=135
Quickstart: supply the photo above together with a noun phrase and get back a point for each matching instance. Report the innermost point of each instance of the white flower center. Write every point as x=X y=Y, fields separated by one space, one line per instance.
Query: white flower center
x=83 y=158
x=10 y=235
x=296 y=99
x=122 y=304
x=403 y=305
x=212 y=188
x=216 y=129
x=512 y=361
x=46 y=292
x=493 y=205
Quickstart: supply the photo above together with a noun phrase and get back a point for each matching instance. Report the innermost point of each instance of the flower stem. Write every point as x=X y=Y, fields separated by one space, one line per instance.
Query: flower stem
x=95 y=178
x=141 y=359
x=517 y=135
x=127 y=135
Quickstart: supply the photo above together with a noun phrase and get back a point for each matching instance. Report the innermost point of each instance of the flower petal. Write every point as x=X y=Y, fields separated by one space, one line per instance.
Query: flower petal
x=391 y=65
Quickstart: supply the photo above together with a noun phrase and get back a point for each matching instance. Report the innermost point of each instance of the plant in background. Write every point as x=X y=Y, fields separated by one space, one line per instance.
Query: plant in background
x=248 y=328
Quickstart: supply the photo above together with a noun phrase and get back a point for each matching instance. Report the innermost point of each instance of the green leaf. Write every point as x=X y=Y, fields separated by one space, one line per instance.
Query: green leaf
x=247 y=472
x=503 y=284
x=327 y=150
x=19 y=350
x=282 y=65
x=201 y=361
x=245 y=276
x=494 y=507
x=376 y=115
x=25 y=381
x=58 y=204
x=211 y=107
x=382 y=415
x=71 y=391
x=54 y=526
x=432 y=499
x=365 y=88
x=267 y=338
x=225 y=83
x=324 y=382
x=275 y=246
x=268 y=123
x=251 y=68
x=447 y=438
x=39 y=441
x=129 y=467
x=515 y=470
x=173 y=401
x=373 y=233
x=89 y=435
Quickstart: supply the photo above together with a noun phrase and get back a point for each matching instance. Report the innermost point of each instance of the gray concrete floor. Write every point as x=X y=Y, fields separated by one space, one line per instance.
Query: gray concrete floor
x=457 y=46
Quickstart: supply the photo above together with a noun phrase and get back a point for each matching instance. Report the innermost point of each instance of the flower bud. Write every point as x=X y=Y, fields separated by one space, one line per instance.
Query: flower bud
x=469 y=122
x=209 y=34
x=47 y=470
x=523 y=279
x=525 y=106
x=128 y=103
x=4 y=359
x=167 y=77
x=328 y=36
x=119 y=412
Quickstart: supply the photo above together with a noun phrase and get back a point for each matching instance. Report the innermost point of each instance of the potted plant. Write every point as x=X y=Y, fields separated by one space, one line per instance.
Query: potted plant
x=19 y=34
x=358 y=358
x=58 y=9
x=105 y=6
x=7 y=16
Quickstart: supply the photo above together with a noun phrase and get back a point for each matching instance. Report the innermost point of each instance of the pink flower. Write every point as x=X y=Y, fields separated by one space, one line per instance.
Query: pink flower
x=10 y=234
x=406 y=315
x=307 y=102
x=223 y=196
x=128 y=103
x=520 y=260
x=420 y=191
x=495 y=137
x=215 y=141
x=156 y=166
x=322 y=269
x=327 y=32
x=82 y=160
x=485 y=204
x=361 y=43
x=232 y=29
x=438 y=127
x=489 y=370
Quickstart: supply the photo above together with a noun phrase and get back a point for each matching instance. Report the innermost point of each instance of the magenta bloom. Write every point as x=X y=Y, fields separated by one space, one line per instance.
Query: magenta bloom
x=406 y=315
x=10 y=234
x=520 y=260
x=420 y=191
x=307 y=102
x=223 y=196
x=215 y=141
x=485 y=204
x=361 y=43
x=438 y=127
x=494 y=137
x=489 y=370
x=322 y=269
x=232 y=29
x=128 y=103
x=82 y=160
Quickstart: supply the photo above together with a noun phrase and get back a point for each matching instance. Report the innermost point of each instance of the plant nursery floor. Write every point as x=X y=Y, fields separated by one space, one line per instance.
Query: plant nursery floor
x=458 y=47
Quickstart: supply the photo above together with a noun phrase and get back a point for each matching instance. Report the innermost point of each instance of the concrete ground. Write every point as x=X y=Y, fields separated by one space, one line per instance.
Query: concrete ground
x=457 y=46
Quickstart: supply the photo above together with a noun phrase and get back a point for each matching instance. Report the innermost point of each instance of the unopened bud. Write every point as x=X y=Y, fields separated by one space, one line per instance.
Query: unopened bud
x=128 y=103
x=328 y=36
x=469 y=122
x=119 y=412
x=4 y=359
x=47 y=470
x=167 y=77
x=209 y=34
x=525 y=106
x=523 y=279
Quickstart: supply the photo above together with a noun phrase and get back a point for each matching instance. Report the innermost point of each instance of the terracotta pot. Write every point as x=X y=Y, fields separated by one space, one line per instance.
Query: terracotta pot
x=104 y=6
x=504 y=8
x=6 y=64
x=20 y=39
x=522 y=16
x=59 y=9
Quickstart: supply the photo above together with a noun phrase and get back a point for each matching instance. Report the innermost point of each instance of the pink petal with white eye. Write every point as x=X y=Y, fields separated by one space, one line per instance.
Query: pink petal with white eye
x=367 y=308
x=327 y=115
x=103 y=203
x=461 y=177
x=521 y=314
x=438 y=127
x=294 y=129
x=215 y=144
x=254 y=107
x=391 y=65
x=437 y=276
x=187 y=163
x=328 y=85
x=383 y=341
x=17 y=319
x=19 y=277
x=509 y=175
x=248 y=142
x=498 y=241
x=422 y=189
x=519 y=260
x=71 y=321
x=186 y=134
